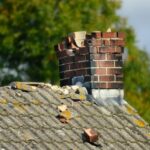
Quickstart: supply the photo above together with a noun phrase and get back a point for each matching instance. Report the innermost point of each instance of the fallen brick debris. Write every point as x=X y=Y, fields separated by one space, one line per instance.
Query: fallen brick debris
x=91 y=135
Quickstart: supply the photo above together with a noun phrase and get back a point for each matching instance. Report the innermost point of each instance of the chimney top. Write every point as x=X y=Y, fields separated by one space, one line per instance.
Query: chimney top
x=94 y=60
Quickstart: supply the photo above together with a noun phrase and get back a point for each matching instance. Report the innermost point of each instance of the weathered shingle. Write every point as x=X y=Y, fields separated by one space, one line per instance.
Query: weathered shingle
x=28 y=120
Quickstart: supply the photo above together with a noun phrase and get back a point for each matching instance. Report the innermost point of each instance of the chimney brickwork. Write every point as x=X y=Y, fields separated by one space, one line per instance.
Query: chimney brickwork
x=97 y=57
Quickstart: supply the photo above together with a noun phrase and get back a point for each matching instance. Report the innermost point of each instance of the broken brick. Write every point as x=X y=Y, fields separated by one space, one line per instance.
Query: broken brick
x=91 y=135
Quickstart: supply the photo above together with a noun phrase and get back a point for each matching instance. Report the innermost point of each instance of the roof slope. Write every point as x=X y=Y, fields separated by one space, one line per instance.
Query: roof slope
x=28 y=121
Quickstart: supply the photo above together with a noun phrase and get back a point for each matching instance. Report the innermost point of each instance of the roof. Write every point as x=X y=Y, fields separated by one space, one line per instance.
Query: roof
x=29 y=120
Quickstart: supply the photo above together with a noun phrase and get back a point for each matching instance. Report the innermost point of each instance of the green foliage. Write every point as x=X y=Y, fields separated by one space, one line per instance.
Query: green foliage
x=30 y=29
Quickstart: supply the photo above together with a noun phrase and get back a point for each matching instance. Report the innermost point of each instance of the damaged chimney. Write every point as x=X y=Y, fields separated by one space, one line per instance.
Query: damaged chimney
x=93 y=61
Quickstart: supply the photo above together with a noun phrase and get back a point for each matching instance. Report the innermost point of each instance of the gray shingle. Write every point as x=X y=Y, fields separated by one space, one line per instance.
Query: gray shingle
x=28 y=120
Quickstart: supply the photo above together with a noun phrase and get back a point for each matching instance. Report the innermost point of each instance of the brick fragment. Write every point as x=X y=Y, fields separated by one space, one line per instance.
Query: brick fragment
x=91 y=135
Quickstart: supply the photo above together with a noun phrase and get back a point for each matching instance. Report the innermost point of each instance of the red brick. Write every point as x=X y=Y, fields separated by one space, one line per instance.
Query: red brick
x=118 y=63
x=119 y=77
x=106 y=63
x=100 y=71
x=79 y=65
x=118 y=57
x=80 y=57
x=94 y=78
x=98 y=56
x=110 y=56
x=121 y=35
x=99 y=85
x=116 y=85
x=117 y=42
x=67 y=60
x=62 y=54
x=83 y=50
x=109 y=49
x=91 y=135
x=106 y=42
x=106 y=78
x=68 y=74
x=96 y=34
x=114 y=71
x=93 y=49
x=96 y=42
x=109 y=34
x=119 y=50
x=81 y=72
x=64 y=67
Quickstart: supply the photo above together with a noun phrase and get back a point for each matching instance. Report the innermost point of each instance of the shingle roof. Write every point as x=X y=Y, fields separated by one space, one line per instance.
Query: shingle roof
x=28 y=120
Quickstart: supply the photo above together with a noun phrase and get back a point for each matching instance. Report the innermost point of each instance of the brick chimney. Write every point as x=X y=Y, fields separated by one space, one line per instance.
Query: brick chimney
x=93 y=61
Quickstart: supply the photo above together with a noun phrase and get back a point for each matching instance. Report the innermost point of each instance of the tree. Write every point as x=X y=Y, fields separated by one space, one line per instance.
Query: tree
x=30 y=29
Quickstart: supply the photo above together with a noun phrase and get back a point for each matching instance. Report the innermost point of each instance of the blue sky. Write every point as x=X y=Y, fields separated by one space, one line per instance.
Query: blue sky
x=138 y=14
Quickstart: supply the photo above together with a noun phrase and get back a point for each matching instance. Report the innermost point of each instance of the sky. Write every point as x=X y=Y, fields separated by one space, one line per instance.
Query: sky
x=138 y=14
